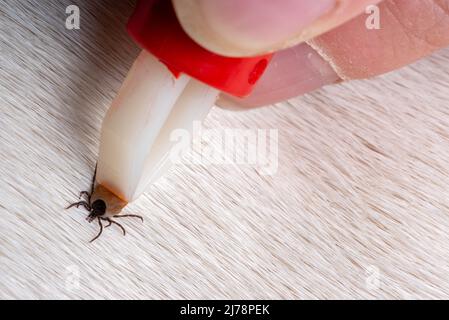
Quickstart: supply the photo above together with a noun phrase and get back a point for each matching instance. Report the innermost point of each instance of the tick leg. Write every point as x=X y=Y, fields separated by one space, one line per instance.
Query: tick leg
x=84 y=193
x=92 y=184
x=99 y=233
x=108 y=220
x=128 y=215
x=79 y=203
x=115 y=222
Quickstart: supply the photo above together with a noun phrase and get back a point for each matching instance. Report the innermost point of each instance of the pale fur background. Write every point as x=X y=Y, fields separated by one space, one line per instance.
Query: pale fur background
x=359 y=207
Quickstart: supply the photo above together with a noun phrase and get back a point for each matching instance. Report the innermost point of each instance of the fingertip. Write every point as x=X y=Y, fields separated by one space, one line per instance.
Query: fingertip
x=292 y=72
x=250 y=27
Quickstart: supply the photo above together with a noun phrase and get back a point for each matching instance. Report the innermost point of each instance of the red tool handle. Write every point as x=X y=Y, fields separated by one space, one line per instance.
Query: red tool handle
x=155 y=27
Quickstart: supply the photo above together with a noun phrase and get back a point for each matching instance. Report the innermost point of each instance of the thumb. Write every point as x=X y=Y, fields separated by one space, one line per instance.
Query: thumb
x=251 y=27
x=409 y=30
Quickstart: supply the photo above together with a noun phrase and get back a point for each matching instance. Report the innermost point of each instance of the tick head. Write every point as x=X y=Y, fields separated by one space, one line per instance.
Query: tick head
x=104 y=202
x=98 y=210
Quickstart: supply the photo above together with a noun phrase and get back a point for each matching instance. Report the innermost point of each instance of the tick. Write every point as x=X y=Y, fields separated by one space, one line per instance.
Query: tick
x=102 y=205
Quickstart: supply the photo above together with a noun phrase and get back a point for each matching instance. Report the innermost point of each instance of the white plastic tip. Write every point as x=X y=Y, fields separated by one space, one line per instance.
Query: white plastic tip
x=135 y=136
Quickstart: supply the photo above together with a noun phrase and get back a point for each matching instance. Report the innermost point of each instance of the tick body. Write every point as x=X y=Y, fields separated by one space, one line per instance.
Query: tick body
x=102 y=205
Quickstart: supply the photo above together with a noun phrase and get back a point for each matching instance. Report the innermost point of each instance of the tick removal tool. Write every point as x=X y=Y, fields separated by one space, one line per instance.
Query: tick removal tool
x=172 y=83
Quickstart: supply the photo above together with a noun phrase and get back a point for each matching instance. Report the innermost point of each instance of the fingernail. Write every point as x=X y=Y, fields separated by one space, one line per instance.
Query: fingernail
x=248 y=27
x=292 y=72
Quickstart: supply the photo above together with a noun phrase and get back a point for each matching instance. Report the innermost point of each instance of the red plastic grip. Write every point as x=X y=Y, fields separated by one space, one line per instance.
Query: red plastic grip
x=155 y=27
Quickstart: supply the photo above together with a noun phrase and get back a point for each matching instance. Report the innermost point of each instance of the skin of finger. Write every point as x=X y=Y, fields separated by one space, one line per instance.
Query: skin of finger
x=217 y=34
x=291 y=72
x=409 y=30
